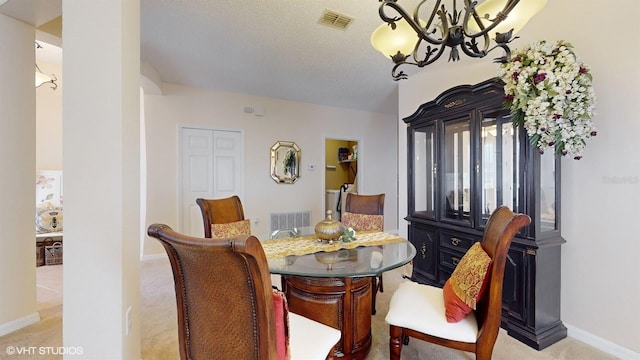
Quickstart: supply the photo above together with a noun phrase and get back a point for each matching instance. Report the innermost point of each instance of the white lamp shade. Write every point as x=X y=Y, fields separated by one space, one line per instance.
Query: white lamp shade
x=42 y=79
x=389 y=41
x=516 y=20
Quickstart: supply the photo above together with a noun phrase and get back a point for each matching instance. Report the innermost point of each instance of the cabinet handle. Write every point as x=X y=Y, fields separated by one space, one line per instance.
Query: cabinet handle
x=455 y=241
x=455 y=261
x=423 y=251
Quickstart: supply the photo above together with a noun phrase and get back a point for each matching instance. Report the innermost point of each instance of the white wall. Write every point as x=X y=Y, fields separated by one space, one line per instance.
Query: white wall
x=601 y=192
x=49 y=121
x=17 y=166
x=306 y=124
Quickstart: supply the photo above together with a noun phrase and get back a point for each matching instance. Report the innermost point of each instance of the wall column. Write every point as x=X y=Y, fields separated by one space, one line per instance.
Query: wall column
x=101 y=147
x=17 y=166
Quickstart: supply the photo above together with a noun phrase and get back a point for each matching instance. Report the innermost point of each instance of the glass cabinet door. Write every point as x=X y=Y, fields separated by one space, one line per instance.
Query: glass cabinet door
x=547 y=205
x=424 y=171
x=499 y=175
x=456 y=167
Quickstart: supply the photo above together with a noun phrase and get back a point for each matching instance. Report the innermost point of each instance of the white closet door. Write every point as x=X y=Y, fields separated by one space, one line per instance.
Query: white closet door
x=211 y=167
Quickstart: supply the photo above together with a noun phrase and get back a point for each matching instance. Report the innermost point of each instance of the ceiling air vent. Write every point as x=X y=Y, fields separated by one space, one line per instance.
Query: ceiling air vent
x=335 y=20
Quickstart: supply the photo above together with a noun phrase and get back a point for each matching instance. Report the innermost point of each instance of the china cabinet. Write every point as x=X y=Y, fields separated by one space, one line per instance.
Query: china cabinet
x=465 y=159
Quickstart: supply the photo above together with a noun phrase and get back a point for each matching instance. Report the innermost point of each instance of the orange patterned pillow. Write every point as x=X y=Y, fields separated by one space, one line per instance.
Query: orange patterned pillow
x=362 y=222
x=233 y=229
x=466 y=284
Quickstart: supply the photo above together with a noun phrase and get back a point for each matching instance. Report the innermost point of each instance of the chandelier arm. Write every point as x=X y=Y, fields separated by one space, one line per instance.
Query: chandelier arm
x=399 y=75
x=433 y=13
x=470 y=10
x=421 y=32
x=497 y=20
x=507 y=52
x=54 y=85
x=426 y=61
x=469 y=51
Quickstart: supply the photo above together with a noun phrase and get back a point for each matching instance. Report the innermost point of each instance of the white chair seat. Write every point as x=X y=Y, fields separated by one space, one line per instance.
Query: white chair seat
x=421 y=308
x=309 y=339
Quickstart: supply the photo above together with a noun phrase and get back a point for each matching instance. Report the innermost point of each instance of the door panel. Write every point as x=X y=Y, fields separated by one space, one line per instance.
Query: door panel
x=227 y=163
x=211 y=167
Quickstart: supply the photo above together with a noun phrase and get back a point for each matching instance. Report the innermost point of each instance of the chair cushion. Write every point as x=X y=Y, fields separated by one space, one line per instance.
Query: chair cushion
x=421 y=308
x=466 y=284
x=281 y=314
x=310 y=339
x=362 y=222
x=232 y=229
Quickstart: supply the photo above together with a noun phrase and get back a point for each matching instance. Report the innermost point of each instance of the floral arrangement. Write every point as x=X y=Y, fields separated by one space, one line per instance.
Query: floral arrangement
x=548 y=90
x=348 y=235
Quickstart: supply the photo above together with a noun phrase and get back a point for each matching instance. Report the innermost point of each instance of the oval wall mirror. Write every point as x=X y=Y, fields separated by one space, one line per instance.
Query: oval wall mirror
x=285 y=162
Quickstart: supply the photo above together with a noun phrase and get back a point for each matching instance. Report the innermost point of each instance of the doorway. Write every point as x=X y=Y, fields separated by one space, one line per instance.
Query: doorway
x=341 y=172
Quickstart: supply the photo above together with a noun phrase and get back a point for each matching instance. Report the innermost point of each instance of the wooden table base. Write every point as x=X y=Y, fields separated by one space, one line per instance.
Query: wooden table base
x=342 y=303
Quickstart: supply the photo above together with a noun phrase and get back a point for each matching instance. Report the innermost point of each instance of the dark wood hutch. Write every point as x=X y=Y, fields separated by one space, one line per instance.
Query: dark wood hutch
x=465 y=158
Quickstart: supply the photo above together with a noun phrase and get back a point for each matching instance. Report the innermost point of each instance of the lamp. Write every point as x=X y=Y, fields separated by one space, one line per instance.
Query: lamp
x=462 y=28
x=42 y=78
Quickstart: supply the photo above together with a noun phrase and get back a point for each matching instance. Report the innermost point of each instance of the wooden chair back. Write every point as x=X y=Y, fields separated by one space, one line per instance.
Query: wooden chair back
x=226 y=313
x=364 y=204
x=368 y=205
x=220 y=211
x=499 y=232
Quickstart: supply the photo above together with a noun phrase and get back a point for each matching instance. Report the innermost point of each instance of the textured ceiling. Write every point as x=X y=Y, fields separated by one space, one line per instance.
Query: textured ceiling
x=273 y=48
x=270 y=48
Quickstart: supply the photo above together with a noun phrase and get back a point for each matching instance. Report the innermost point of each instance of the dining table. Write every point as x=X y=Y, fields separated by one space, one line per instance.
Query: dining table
x=332 y=282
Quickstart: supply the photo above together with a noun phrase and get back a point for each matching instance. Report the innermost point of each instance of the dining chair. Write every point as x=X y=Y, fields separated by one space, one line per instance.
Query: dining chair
x=220 y=211
x=229 y=312
x=422 y=311
x=365 y=212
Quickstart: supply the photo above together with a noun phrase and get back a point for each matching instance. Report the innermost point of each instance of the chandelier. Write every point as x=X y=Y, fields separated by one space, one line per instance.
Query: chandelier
x=410 y=40
x=42 y=78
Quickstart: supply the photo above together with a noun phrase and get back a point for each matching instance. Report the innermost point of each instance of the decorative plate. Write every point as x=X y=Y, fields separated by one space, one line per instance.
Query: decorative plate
x=49 y=220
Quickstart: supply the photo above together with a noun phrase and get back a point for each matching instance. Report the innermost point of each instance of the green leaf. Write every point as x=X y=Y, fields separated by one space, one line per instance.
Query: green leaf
x=534 y=139
x=517 y=118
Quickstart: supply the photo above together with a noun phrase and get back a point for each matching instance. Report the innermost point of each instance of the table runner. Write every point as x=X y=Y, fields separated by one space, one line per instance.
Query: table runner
x=304 y=245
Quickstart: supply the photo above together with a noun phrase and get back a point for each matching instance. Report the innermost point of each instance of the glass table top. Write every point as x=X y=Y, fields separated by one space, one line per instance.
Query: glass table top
x=358 y=262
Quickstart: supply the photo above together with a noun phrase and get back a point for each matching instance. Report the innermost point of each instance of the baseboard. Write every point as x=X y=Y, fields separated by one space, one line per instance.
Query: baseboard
x=18 y=324
x=601 y=344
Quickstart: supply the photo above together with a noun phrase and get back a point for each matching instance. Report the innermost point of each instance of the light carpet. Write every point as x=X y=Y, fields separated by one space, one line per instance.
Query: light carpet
x=160 y=337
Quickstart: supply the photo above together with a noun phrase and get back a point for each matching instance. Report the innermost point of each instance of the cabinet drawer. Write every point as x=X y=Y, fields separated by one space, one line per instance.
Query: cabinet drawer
x=449 y=259
x=456 y=241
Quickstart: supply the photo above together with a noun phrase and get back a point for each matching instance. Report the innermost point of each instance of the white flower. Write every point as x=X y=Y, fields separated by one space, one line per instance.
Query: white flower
x=549 y=92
